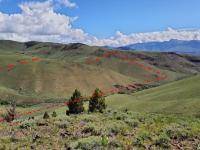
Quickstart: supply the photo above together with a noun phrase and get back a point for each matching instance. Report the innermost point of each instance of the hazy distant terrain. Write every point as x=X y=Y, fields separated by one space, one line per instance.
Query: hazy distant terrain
x=178 y=46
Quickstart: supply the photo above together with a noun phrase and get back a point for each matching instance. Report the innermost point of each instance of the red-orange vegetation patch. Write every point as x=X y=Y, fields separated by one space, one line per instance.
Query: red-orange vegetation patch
x=10 y=66
x=23 y=62
x=36 y=59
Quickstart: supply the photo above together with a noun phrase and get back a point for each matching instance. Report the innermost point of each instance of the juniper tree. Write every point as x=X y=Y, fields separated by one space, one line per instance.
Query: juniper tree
x=46 y=116
x=75 y=104
x=97 y=101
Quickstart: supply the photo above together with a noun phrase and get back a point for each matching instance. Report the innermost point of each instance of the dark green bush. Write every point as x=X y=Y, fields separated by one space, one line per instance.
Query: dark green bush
x=54 y=114
x=25 y=126
x=46 y=116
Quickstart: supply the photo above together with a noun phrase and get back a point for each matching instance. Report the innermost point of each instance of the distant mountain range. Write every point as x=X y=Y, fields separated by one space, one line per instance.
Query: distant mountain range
x=179 y=46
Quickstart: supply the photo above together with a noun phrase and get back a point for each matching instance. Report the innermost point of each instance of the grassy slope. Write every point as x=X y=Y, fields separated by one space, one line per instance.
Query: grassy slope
x=178 y=97
x=53 y=78
x=63 y=69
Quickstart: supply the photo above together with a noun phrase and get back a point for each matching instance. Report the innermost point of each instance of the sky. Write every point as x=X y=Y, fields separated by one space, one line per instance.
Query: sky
x=99 y=22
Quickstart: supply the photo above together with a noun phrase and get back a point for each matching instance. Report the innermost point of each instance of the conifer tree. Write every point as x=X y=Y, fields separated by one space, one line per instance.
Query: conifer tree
x=75 y=104
x=46 y=116
x=97 y=101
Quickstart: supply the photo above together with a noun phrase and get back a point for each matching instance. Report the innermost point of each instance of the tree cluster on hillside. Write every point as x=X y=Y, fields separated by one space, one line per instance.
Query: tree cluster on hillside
x=96 y=102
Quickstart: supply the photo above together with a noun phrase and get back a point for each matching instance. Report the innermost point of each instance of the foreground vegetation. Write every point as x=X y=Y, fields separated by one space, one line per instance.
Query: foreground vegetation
x=108 y=130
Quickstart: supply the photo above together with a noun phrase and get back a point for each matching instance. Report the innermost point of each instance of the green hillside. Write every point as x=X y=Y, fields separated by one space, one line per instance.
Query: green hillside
x=52 y=78
x=180 y=97
x=65 y=67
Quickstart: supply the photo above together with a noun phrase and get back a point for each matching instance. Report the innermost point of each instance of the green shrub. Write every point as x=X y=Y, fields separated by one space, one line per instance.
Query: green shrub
x=54 y=114
x=97 y=102
x=62 y=124
x=25 y=126
x=141 y=138
x=138 y=141
x=132 y=123
x=104 y=140
x=176 y=131
x=91 y=142
x=75 y=104
x=121 y=116
x=115 y=144
x=116 y=127
x=92 y=129
x=163 y=141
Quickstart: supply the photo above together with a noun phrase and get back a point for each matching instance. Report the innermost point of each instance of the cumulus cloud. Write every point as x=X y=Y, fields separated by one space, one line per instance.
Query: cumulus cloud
x=39 y=22
x=121 y=39
x=67 y=3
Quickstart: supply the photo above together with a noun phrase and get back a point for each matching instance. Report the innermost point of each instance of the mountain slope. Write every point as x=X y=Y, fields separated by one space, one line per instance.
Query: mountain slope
x=54 y=78
x=62 y=68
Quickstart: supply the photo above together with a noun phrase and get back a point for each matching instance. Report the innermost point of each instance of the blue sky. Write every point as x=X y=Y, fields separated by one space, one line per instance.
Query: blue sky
x=103 y=18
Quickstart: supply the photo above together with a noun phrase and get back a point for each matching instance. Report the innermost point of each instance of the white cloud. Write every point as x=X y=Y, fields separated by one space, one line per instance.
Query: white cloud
x=121 y=39
x=39 y=22
x=67 y=3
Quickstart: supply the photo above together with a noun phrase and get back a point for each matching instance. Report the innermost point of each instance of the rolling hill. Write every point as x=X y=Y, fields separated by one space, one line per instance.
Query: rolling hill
x=64 y=67
x=179 y=97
